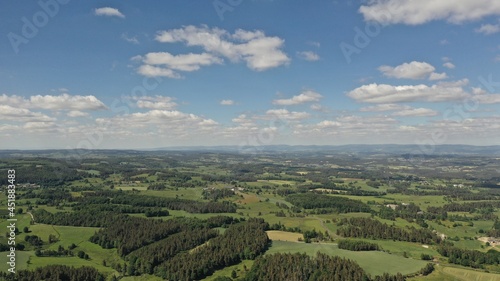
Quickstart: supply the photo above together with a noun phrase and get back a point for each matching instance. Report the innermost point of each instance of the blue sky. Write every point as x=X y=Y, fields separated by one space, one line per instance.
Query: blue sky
x=147 y=74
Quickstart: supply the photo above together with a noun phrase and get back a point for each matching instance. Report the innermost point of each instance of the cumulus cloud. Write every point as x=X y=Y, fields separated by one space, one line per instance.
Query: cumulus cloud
x=489 y=29
x=77 y=113
x=10 y=113
x=108 y=11
x=286 y=115
x=304 y=97
x=415 y=112
x=166 y=64
x=387 y=95
x=383 y=93
x=419 y=12
x=51 y=102
x=259 y=51
x=449 y=65
x=384 y=107
x=227 y=102
x=437 y=76
x=185 y=62
x=412 y=70
x=156 y=71
x=173 y=122
x=156 y=102
x=308 y=56
x=132 y=39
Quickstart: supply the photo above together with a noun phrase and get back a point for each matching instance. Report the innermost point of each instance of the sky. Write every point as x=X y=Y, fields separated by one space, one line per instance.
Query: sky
x=153 y=74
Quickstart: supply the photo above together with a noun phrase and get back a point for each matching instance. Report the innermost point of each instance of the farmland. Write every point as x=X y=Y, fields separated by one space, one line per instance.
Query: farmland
x=303 y=207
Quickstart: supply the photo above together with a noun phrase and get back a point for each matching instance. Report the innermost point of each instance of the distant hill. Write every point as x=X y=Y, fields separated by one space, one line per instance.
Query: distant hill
x=340 y=149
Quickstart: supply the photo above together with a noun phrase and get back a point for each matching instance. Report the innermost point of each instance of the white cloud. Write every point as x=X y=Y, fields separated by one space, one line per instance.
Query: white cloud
x=437 y=76
x=156 y=102
x=286 y=115
x=415 y=112
x=497 y=58
x=304 y=97
x=108 y=11
x=133 y=39
x=384 y=107
x=308 y=56
x=169 y=122
x=328 y=124
x=227 y=102
x=17 y=114
x=259 y=51
x=41 y=127
x=50 y=102
x=383 y=93
x=184 y=62
x=156 y=71
x=488 y=29
x=77 y=113
x=412 y=70
x=419 y=12
x=487 y=98
x=318 y=107
x=449 y=65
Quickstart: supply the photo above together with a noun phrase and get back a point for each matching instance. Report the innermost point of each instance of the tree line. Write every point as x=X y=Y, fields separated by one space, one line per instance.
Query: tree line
x=470 y=258
x=286 y=266
x=334 y=203
x=374 y=229
x=55 y=273
x=357 y=245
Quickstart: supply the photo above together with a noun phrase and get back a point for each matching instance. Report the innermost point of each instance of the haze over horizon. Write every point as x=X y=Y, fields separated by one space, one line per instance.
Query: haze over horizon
x=141 y=75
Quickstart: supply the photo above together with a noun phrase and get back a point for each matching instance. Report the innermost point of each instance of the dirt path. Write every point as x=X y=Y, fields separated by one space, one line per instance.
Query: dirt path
x=32 y=218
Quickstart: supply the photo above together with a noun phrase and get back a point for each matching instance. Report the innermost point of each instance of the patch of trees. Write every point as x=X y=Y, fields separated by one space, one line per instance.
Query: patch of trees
x=465 y=207
x=123 y=209
x=410 y=212
x=90 y=218
x=428 y=269
x=33 y=240
x=495 y=231
x=471 y=258
x=333 y=203
x=241 y=241
x=357 y=245
x=374 y=229
x=130 y=233
x=60 y=252
x=216 y=194
x=157 y=186
x=144 y=260
x=50 y=174
x=286 y=266
x=55 y=273
x=191 y=206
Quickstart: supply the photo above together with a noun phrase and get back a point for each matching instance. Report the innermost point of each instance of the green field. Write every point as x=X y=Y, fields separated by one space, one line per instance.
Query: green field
x=22 y=258
x=373 y=262
x=446 y=273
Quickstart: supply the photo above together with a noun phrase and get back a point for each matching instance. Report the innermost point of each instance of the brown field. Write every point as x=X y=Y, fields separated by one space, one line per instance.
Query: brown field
x=247 y=198
x=284 y=235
